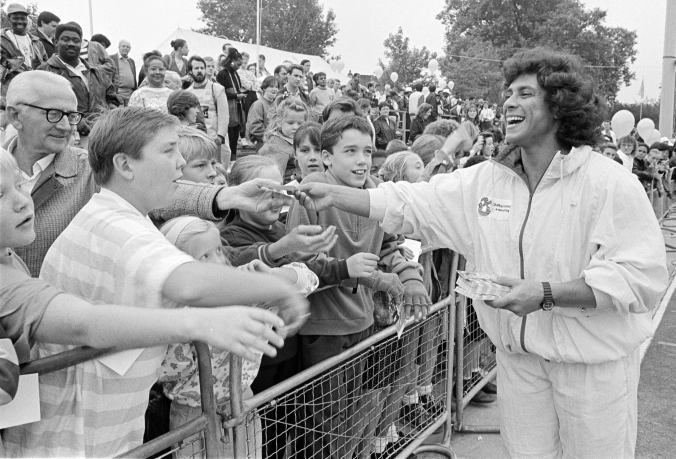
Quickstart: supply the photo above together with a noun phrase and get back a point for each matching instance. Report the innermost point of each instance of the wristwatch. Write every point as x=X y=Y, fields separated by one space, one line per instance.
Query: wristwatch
x=548 y=302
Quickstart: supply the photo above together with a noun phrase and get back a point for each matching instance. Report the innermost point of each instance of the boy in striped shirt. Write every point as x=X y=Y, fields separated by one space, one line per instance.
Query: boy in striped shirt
x=112 y=253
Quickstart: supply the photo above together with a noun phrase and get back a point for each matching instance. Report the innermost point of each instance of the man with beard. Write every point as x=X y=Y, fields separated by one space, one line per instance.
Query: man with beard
x=213 y=102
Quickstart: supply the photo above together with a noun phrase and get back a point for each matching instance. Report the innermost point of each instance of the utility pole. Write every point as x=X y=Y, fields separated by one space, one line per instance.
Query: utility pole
x=668 y=72
x=91 y=19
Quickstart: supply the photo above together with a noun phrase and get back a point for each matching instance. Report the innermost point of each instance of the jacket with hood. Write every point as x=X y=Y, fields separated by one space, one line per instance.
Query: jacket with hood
x=8 y=50
x=348 y=308
x=280 y=148
x=588 y=218
x=92 y=99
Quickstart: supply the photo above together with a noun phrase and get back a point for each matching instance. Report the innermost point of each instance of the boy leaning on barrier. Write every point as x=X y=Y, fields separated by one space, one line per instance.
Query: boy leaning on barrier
x=32 y=310
x=342 y=316
x=112 y=253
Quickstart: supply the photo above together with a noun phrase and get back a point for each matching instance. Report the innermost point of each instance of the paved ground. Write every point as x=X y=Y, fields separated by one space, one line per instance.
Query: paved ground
x=656 y=394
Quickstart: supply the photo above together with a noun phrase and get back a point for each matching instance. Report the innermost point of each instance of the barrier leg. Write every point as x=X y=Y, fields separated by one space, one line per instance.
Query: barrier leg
x=212 y=435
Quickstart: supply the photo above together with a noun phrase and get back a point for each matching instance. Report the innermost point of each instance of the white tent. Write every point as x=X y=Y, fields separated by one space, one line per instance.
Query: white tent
x=208 y=45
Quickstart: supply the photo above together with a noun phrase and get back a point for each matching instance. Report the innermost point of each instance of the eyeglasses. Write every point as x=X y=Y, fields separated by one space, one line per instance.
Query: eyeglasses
x=55 y=115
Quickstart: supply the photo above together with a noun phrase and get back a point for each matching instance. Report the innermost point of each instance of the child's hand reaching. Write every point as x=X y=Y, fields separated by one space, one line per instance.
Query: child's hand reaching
x=256 y=266
x=304 y=238
x=243 y=330
x=362 y=264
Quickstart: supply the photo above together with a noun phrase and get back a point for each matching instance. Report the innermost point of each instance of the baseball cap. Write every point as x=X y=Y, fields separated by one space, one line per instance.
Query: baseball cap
x=13 y=8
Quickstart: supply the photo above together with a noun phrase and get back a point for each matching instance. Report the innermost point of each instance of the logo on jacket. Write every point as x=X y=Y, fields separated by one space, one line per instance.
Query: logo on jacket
x=485 y=206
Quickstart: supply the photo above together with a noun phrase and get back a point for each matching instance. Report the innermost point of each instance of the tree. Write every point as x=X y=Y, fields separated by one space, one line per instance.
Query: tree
x=408 y=62
x=565 y=25
x=298 y=26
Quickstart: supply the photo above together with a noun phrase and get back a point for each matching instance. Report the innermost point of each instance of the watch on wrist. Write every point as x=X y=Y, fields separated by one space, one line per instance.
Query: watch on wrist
x=548 y=302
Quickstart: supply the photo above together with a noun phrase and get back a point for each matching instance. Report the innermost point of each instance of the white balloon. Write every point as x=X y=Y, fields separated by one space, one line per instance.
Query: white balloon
x=378 y=72
x=655 y=136
x=645 y=128
x=340 y=65
x=433 y=65
x=426 y=91
x=451 y=85
x=442 y=84
x=622 y=123
x=333 y=65
x=394 y=76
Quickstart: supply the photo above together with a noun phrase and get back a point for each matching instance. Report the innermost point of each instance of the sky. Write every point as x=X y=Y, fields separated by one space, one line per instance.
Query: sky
x=363 y=26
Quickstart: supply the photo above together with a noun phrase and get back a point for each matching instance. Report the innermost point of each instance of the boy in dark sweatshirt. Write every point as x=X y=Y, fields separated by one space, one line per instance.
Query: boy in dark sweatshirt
x=342 y=316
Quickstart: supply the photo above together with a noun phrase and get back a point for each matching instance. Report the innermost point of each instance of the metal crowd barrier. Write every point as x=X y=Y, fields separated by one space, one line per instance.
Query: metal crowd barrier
x=339 y=406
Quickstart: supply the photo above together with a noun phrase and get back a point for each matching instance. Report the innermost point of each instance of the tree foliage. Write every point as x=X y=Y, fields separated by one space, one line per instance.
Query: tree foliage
x=298 y=26
x=505 y=26
x=408 y=62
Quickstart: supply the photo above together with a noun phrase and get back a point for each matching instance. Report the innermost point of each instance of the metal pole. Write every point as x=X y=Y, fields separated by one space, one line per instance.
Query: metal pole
x=91 y=19
x=258 y=36
x=668 y=69
x=212 y=433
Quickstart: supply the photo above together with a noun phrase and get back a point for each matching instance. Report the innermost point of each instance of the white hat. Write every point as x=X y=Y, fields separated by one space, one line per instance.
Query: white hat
x=408 y=88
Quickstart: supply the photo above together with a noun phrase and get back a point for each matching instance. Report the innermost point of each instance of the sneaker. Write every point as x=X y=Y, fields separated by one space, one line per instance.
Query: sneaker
x=490 y=388
x=433 y=407
x=482 y=398
x=414 y=415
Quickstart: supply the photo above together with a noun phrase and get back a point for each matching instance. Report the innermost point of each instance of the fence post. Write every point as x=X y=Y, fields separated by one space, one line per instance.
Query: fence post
x=452 y=320
x=211 y=436
x=238 y=431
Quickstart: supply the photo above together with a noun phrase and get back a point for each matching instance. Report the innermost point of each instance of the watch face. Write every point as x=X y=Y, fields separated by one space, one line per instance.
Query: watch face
x=547 y=306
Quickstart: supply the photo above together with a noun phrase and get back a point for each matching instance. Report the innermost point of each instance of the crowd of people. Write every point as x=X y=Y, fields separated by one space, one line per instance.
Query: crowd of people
x=123 y=199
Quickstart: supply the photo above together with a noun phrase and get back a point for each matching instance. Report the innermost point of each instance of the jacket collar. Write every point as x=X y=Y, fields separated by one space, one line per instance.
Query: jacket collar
x=29 y=35
x=55 y=61
x=65 y=162
x=561 y=165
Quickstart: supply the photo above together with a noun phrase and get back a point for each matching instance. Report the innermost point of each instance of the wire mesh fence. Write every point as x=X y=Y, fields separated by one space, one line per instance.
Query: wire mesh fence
x=376 y=402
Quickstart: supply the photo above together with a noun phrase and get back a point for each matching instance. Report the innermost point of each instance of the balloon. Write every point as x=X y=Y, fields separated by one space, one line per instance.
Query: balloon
x=622 y=123
x=340 y=65
x=451 y=85
x=426 y=91
x=394 y=76
x=442 y=84
x=655 y=136
x=387 y=88
x=378 y=72
x=334 y=65
x=645 y=128
x=433 y=65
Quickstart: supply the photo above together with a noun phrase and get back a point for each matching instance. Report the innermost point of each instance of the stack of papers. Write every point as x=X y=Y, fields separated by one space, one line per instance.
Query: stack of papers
x=479 y=286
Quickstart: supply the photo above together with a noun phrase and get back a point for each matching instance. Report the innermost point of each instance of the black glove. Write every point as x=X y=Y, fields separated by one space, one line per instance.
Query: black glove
x=416 y=298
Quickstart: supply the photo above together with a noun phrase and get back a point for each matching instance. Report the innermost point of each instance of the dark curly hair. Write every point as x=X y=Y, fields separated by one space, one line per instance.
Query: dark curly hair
x=180 y=101
x=570 y=92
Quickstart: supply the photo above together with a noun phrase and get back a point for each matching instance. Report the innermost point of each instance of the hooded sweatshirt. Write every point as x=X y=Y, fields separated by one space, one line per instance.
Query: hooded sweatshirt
x=588 y=218
x=340 y=310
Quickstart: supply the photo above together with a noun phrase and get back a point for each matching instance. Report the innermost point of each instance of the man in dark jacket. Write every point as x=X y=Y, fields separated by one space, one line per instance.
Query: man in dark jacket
x=432 y=100
x=19 y=50
x=125 y=68
x=47 y=23
x=94 y=91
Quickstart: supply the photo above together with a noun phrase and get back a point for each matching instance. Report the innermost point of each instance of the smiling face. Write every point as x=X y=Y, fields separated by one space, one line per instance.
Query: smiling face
x=350 y=161
x=200 y=170
x=529 y=120
x=472 y=113
x=155 y=73
x=206 y=247
x=309 y=158
x=414 y=168
x=35 y=132
x=384 y=110
x=68 y=46
x=16 y=210
x=19 y=22
x=156 y=171
x=269 y=217
x=270 y=93
x=292 y=121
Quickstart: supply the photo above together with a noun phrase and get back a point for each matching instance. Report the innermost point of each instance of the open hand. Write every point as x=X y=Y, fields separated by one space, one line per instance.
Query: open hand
x=257 y=195
x=362 y=264
x=310 y=238
x=242 y=330
x=525 y=297
x=314 y=196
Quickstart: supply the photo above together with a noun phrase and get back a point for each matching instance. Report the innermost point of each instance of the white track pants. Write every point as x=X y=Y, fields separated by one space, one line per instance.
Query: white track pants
x=567 y=410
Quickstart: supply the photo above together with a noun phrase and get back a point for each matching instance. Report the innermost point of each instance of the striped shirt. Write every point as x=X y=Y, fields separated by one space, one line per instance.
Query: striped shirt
x=110 y=253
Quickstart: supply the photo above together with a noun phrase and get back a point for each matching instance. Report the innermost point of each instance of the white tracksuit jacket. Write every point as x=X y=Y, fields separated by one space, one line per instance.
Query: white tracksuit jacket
x=588 y=218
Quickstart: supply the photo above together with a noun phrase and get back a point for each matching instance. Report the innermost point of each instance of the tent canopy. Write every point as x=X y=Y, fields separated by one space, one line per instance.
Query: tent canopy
x=208 y=45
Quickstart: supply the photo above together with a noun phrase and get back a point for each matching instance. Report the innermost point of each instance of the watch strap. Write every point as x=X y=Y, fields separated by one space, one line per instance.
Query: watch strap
x=548 y=300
